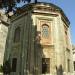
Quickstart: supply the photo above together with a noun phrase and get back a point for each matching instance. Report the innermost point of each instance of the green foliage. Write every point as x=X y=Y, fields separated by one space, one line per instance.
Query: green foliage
x=6 y=67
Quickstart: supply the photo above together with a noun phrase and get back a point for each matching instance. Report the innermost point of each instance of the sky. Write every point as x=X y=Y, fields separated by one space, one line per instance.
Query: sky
x=68 y=6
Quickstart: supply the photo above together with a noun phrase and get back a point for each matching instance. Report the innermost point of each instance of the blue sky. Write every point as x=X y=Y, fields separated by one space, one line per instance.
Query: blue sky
x=68 y=6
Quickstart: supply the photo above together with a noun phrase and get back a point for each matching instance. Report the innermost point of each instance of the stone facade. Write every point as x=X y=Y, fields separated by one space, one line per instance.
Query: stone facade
x=3 y=35
x=39 y=41
x=73 y=48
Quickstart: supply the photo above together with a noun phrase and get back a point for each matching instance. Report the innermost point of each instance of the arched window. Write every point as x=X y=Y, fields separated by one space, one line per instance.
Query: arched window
x=17 y=35
x=45 y=31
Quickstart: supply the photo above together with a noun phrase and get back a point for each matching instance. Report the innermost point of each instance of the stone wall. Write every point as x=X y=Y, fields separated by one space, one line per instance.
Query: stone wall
x=3 y=36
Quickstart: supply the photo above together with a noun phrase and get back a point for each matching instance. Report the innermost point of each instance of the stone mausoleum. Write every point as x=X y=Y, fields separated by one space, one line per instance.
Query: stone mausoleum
x=38 y=41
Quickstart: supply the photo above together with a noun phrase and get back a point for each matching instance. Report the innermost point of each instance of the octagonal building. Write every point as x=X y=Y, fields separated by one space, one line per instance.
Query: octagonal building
x=38 y=41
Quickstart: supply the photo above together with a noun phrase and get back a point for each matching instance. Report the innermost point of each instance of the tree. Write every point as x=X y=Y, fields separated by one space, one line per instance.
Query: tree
x=10 y=4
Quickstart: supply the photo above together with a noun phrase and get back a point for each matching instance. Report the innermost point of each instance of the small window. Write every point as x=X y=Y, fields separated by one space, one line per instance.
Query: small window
x=68 y=65
x=74 y=65
x=17 y=35
x=45 y=31
x=14 y=63
x=45 y=65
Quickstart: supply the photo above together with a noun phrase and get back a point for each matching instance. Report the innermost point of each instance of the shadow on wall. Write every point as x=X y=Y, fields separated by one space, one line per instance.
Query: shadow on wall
x=59 y=70
x=35 y=61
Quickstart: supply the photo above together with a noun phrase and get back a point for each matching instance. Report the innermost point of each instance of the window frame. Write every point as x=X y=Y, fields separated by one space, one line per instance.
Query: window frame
x=45 y=31
x=14 y=64
x=45 y=65
x=17 y=34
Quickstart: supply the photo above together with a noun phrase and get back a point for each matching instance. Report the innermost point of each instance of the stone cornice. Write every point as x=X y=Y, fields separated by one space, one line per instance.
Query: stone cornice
x=41 y=6
x=5 y=23
x=13 y=18
x=47 y=14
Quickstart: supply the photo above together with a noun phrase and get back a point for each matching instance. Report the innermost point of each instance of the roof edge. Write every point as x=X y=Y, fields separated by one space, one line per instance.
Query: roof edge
x=31 y=6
